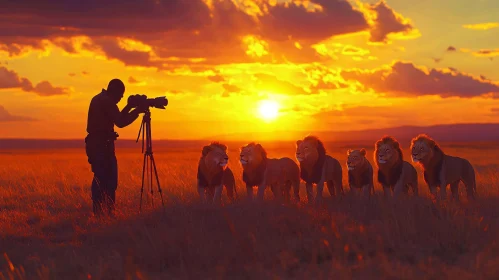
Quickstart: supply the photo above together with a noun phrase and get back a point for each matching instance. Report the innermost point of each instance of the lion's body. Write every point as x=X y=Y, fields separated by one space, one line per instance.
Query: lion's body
x=440 y=169
x=213 y=173
x=360 y=172
x=316 y=167
x=394 y=174
x=280 y=174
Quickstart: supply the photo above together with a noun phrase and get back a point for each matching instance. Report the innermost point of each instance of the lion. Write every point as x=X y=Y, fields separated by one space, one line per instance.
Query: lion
x=281 y=174
x=394 y=174
x=213 y=173
x=360 y=172
x=316 y=167
x=441 y=169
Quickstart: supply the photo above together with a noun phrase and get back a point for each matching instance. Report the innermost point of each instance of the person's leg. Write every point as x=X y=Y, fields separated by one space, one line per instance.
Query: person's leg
x=113 y=184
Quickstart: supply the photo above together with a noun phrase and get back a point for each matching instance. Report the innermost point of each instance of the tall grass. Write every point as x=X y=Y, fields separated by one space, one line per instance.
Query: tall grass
x=48 y=232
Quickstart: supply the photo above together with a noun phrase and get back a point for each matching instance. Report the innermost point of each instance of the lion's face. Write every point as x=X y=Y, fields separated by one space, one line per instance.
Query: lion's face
x=250 y=155
x=306 y=151
x=421 y=151
x=215 y=156
x=356 y=158
x=386 y=153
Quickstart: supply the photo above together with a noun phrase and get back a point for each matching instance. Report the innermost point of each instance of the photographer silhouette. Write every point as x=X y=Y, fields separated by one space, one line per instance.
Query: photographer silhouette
x=103 y=115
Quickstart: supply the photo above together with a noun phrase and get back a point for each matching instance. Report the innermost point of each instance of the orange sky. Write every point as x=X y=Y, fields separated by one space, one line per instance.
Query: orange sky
x=329 y=64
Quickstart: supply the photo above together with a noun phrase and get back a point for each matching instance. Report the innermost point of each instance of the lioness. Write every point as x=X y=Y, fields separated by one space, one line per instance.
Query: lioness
x=360 y=172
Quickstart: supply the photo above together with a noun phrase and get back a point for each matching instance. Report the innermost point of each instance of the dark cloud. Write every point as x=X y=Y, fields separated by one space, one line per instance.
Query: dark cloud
x=406 y=79
x=5 y=116
x=10 y=79
x=188 y=32
x=387 y=22
x=292 y=19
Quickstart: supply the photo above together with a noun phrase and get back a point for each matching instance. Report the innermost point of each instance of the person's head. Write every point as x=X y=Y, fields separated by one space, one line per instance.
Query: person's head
x=116 y=90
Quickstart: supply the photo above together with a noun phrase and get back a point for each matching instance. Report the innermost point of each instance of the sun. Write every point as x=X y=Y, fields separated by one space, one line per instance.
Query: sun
x=268 y=110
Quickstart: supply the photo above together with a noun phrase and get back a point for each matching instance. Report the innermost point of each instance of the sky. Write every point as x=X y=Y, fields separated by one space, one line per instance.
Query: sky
x=324 y=64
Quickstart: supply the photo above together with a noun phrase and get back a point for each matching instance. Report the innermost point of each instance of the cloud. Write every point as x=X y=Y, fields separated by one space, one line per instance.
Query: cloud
x=190 y=33
x=132 y=80
x=270 y=83
x=5 y=116
x=387 y=21
x=406 y=79
x=482 y=26
x=323 y=78
x=217 y=78
x=230 y=89
x=10 y=79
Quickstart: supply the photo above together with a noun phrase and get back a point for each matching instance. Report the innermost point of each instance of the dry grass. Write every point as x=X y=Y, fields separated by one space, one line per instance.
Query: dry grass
x=47 y=231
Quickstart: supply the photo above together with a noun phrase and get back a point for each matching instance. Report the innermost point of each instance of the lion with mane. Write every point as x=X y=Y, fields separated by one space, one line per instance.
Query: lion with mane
x=441 y=169
x=360 y=172
x=213 y=173
x=281 y=174
x=394 y=173
x=317 y=167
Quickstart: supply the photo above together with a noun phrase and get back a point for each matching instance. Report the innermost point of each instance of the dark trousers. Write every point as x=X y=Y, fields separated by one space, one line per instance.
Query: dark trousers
x=102 y=159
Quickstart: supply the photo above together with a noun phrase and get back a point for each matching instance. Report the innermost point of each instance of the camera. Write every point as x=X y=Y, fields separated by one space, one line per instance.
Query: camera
x=140 y=99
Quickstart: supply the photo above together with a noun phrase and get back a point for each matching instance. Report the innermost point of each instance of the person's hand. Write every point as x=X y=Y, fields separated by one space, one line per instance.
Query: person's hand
x=142 y=108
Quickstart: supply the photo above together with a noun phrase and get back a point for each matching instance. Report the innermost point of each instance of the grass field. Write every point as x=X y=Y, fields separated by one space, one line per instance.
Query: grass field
x=47 y=230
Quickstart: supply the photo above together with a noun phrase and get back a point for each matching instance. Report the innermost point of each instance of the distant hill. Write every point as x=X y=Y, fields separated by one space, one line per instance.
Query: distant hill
x=471 y=132
x=444 y=133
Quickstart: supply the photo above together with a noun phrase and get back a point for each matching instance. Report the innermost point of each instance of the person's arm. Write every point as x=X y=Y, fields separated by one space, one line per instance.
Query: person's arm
x=125 y=117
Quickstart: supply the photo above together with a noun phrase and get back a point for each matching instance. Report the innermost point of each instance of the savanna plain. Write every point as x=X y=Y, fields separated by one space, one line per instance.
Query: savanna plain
x=48 y=231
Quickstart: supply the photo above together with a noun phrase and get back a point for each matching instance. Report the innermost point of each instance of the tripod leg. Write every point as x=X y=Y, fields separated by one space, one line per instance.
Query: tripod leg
x=157 y=179
x=150 y=179
x=142 y=188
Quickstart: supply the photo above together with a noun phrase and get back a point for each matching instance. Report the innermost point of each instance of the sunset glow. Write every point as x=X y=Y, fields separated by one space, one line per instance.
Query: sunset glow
x=268 y=110
x=354 y=64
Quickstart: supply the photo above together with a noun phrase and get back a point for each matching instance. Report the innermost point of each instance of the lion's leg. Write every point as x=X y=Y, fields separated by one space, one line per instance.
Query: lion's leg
x=217 y=195
x=261 y=191
x=387 y=190
x=210 y=193
x=320 y=190
x=433 y=191
x=201 y=192
x=454 y=188
x=249 y=191
x=230 y=190
x=296 y=190
x=277 y=191
x=310 y=192
x=331 y=188
x=366 y=191
x=470 y=183
x=287 y=190
x=414 y=187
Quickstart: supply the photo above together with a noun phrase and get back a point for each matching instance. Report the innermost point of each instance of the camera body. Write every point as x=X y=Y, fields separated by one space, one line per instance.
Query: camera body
x=140 y=99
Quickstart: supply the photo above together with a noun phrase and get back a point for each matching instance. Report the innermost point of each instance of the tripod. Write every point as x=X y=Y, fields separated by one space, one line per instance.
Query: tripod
x=145 y=128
